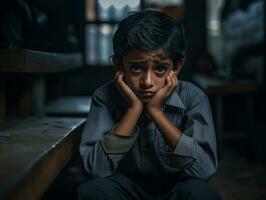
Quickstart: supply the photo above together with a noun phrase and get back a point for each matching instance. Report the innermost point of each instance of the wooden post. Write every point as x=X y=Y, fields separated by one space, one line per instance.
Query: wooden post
x=38 y=95
x=25 y=99
x=2 y=103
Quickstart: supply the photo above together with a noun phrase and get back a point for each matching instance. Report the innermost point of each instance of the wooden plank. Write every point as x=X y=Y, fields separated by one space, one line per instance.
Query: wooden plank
x=69 y=106
x=38 y=148
x=29 y=61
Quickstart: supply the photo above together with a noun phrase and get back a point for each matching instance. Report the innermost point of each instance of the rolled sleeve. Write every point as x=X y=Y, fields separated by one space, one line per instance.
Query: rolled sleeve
x=183 y=155
x=113 y=143
x=186 y=146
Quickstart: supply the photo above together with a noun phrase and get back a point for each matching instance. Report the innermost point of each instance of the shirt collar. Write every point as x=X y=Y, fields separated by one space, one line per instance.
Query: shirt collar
x=174 y=100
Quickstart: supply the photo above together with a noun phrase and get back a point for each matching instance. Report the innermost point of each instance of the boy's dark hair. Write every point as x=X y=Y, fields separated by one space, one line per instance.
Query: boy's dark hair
x=149 y=30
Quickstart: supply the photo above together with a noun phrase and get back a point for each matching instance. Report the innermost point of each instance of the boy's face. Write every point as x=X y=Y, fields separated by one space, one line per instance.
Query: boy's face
x=146 y=72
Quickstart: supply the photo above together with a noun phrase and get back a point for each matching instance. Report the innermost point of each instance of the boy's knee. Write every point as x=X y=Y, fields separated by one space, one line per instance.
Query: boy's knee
x=85 y=191
x=94 y=189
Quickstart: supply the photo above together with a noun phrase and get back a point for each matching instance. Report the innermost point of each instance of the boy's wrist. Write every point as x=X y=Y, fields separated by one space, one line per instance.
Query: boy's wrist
x=154 y=110
x=136 y=108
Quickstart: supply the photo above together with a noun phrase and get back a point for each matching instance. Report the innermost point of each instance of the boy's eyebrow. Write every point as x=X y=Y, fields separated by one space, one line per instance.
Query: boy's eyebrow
x=137 y=61
x=145 y=61
x=162 y=62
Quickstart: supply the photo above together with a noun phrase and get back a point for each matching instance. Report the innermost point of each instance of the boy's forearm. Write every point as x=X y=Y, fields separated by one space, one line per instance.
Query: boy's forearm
x=169 y=131
x=128 y=122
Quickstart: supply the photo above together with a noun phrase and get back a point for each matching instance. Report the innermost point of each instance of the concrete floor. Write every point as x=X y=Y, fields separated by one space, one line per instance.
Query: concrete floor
x=239 y=178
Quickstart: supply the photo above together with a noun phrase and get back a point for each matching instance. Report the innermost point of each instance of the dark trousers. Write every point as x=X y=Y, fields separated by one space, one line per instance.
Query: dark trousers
x=120 y=187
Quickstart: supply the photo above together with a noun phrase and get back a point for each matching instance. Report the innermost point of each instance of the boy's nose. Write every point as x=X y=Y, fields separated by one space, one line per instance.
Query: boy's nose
x=147 y=80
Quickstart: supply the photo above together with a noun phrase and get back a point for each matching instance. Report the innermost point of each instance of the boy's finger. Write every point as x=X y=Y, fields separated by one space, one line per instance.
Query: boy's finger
x=118 y=72
x=174 y=78
x=120 y=78
x=116 y=75
x=169 y=81
x=173 y=83
x=121 y=82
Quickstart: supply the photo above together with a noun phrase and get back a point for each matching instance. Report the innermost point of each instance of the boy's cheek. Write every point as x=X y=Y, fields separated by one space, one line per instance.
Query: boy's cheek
x=128 y=80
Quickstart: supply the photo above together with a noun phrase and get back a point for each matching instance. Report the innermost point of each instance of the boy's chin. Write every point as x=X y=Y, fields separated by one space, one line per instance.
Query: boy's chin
x=146 y=100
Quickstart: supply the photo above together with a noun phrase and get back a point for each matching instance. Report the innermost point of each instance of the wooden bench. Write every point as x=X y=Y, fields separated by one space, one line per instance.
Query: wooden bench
x=33 y=153
x=73 y=106
x=35 y=64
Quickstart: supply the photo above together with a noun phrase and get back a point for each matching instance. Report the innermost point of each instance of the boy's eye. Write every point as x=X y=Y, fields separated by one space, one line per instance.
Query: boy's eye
x=160 y=69
x=135 y=68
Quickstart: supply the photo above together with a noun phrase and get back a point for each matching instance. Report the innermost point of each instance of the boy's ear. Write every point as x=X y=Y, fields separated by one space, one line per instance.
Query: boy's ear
x=178 y=67
x=115 y=63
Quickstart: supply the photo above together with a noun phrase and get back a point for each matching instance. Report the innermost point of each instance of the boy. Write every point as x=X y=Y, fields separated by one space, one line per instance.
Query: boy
x=148 y=135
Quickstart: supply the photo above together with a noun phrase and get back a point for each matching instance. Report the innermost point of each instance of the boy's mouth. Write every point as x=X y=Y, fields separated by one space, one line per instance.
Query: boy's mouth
x=147 y=94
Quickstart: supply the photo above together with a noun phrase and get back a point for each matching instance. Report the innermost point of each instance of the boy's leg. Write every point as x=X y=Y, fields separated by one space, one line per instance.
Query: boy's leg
x=100 y=188
x=116 y=187
x=193 y=189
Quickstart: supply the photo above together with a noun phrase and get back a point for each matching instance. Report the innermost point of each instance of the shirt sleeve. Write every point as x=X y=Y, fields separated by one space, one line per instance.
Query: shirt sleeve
x=196 y=151
x=101 y=150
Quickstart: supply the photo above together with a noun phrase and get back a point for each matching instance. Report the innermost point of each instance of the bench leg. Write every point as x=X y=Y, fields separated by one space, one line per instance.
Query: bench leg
x=2 y=103
x=25 y=99
x=39 y=95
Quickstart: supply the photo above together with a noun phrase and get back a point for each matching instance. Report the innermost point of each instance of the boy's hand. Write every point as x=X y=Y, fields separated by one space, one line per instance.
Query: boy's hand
x=157 y=102
x=132 y=100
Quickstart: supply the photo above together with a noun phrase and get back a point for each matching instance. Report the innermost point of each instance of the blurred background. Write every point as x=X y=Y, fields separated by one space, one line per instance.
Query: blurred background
x=53 y=55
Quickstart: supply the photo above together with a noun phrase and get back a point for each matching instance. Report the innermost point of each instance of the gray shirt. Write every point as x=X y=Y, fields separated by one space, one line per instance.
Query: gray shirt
x=144 y=151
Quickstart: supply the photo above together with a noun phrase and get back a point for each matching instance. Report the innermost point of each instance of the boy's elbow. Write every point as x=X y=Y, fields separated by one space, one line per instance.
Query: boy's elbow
x=94 y=171
x=207 y=169
x=207 y=174
x=203 y=173
x=94 y=167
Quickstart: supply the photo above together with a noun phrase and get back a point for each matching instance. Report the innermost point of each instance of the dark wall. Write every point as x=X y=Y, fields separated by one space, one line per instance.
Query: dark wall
x=55 y=26
x=195 y=26
x=84 y=81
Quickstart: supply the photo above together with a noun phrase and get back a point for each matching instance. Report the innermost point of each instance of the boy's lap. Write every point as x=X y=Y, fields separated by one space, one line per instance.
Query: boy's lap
x=109 y=188
x=121 y=187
